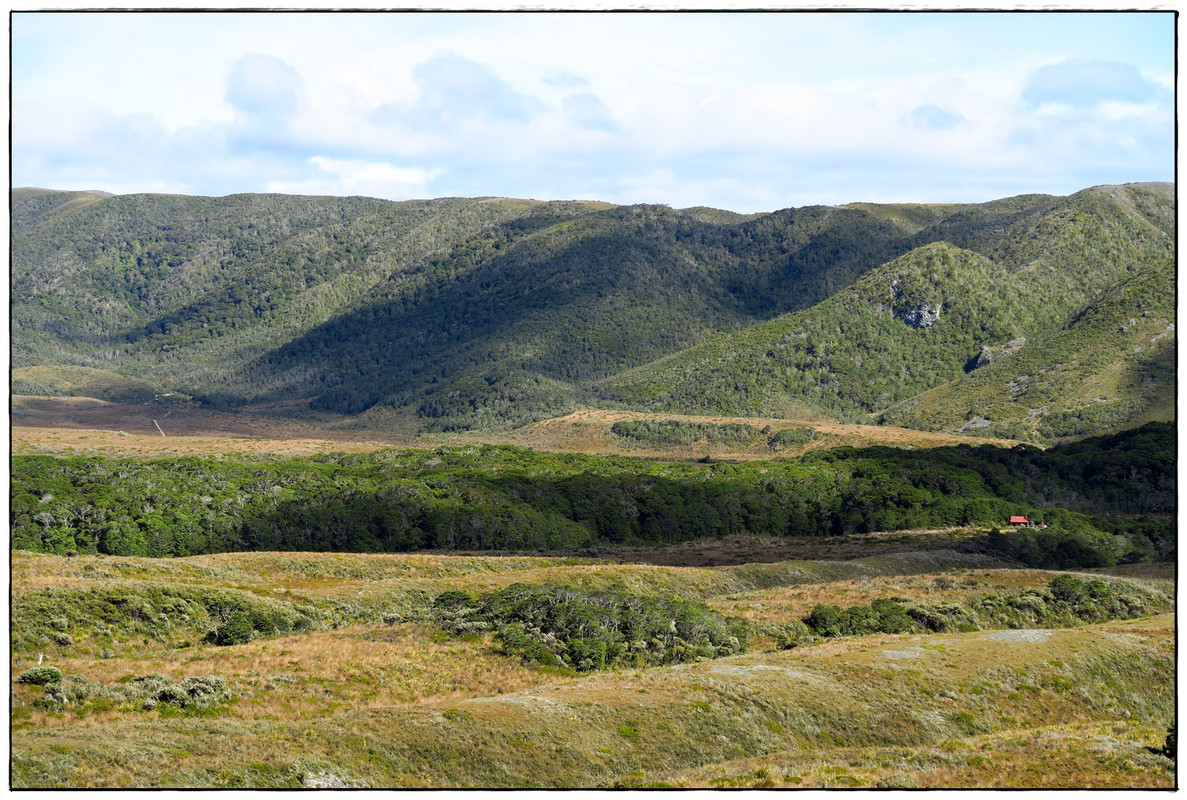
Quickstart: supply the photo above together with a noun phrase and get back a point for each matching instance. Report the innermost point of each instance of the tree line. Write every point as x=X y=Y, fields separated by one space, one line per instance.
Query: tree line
x=1114 y=496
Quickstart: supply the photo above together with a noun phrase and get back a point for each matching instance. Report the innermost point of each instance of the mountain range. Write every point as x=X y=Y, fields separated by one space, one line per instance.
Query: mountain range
x=1033 y=317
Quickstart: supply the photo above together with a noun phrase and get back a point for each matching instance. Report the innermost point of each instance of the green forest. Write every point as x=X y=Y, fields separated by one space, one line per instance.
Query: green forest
x=1105 y=500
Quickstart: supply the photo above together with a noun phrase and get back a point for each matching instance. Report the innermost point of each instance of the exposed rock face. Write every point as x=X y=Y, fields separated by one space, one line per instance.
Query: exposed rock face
x=990 y=354
x=922 y=317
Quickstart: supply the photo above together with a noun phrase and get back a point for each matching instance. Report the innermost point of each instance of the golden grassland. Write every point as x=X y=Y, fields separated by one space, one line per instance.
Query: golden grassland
x=377 y=700
x=76 y=426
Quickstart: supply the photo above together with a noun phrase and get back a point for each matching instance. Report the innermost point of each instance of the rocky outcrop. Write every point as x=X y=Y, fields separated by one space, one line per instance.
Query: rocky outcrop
x=922 y=317
x=990 y=354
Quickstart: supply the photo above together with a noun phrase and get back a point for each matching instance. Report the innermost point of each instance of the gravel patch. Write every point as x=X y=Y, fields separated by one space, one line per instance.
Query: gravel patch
x=535 y=702
x=753 y=670
x=1031 y=636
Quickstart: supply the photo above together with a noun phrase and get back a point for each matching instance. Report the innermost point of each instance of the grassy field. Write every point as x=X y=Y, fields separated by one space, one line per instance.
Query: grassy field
x=163 y=427
x=372 y=693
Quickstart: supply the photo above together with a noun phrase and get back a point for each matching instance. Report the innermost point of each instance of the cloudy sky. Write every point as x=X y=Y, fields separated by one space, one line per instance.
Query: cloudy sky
x=744 y=111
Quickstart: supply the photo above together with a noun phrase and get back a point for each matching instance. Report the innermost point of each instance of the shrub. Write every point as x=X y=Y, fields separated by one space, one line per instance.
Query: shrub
x=794 y=634
x=824 y=620
x=881 y=616
x=943 y=617
x=205 y=691
x=199 y=692
x=41 y=676
x=1169 y=748
x=680 y=432
x=238 y=629
x=586 y=630
x=789 y=437
x=892 y=617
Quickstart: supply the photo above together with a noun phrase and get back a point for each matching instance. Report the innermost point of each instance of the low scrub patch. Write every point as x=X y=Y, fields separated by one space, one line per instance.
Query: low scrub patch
x=41 y=676
x=106 y=615
x=1067 y=601
x=586 y=630
x=77 y=693
x=675 y=432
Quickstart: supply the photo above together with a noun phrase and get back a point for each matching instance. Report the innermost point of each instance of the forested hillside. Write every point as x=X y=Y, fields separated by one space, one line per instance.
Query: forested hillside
x=494 y=312
x=1076 y=292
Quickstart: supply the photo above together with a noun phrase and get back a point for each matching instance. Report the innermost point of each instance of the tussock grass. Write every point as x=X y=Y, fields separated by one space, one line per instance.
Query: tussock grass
x=375 y=695
x=828 y=706
x=1088 y=755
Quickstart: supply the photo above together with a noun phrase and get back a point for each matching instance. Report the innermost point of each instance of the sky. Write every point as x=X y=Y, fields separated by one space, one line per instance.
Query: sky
x=741 y=111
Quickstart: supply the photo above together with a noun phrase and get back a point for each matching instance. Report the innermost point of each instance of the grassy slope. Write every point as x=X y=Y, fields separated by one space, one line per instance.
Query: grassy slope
x=376 y=704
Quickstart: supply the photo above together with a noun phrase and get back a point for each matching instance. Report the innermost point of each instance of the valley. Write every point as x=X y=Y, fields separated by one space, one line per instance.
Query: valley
x=315 y=492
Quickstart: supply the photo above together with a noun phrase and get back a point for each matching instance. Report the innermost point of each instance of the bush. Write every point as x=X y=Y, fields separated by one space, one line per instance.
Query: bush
x=41 y=676
x=203 y=691
x=790 y=437
x=1169 y=748
x=146 y=692
x=680 y=432
x=824 y=620
x=943 y=617
x=1068 y=600
x=238 y=629
x=881 y=616
x=793 y=635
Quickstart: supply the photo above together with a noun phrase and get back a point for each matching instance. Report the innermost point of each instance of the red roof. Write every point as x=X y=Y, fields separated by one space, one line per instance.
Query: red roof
x=1019 y=519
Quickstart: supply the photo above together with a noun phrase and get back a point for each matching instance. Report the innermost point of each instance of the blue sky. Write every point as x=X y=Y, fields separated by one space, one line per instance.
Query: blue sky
x=744 y=111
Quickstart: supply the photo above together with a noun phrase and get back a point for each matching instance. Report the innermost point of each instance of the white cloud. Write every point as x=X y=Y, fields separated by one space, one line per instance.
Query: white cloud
x=742 y=111
x=350 y=177
x=262 y=85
